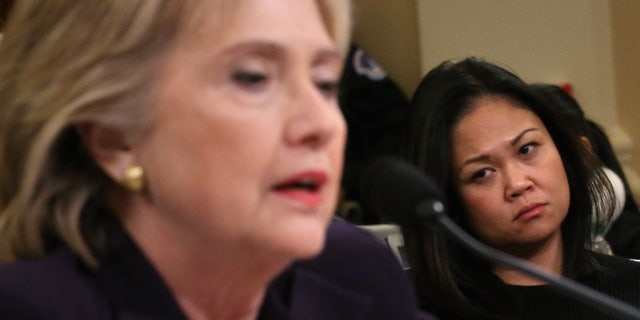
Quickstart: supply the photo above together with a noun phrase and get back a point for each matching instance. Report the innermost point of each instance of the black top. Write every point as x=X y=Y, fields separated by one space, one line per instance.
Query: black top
x=619 y=278
x=624 y=235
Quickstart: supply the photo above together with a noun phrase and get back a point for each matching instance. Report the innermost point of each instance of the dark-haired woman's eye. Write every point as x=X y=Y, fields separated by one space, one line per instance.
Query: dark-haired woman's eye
x=527 y=148
x=480 y=174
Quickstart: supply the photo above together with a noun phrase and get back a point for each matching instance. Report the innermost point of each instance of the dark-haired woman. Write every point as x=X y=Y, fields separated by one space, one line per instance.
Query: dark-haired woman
x=517 y=179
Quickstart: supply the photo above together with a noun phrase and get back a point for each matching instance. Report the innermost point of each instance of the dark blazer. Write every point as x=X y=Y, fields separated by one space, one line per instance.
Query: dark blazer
x=355 y=277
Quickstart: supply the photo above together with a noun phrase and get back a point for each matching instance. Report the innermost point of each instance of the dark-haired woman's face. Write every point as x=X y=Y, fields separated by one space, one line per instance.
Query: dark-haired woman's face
x=510 y=176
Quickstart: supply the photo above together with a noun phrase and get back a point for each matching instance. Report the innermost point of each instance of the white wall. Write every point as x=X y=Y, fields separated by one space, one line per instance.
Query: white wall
x=388 y=31
x=542 y=40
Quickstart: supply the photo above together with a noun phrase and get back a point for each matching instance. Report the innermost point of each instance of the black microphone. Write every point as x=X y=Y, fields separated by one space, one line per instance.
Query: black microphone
x=401 y=193
x=396 y=191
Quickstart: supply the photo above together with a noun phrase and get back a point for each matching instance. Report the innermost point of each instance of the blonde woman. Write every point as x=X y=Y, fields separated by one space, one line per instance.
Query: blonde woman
x=180 y=159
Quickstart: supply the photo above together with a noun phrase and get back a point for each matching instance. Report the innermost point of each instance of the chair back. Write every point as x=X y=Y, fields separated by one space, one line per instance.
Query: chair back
x=391 y=236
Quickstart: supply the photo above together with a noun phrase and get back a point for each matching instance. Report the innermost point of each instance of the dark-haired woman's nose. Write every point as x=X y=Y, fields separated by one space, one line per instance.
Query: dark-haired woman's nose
x=517 y=183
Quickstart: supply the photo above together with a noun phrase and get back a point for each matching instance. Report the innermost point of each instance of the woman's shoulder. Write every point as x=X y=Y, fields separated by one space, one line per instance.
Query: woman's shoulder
x=618 y=277
x=44 y=272
x=619 y=271
x=355 y=261
x=354 y=243
x=341 y=231
x=53 y=287
x=616 y=264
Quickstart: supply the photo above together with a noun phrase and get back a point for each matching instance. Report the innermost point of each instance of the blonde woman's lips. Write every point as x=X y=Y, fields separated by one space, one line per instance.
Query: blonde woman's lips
x=304 y=188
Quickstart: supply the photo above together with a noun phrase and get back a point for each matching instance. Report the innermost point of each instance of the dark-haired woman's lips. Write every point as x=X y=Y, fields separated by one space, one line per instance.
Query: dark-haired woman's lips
x=529 y=212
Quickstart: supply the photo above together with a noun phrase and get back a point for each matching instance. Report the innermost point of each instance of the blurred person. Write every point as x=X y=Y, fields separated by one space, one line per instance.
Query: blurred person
x=375 y=110
x=518 y=180
x=5 y=7
x=624 y=234
x=597 y=140
x=181 y=159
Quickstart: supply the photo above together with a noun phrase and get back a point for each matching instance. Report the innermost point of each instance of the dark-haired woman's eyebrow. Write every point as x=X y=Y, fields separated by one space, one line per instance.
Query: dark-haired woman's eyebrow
x=519 y=137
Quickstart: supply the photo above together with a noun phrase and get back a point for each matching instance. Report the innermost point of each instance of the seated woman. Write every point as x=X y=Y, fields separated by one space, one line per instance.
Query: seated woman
x=181 y=159
x=517 y=179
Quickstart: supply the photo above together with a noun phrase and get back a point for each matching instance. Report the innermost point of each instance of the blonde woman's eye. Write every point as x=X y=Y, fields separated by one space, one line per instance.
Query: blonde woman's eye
x=328 y=88
x=249 y=79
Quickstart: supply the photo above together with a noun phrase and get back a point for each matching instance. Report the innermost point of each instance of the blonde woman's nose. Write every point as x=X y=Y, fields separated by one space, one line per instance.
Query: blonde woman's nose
x=316 y=117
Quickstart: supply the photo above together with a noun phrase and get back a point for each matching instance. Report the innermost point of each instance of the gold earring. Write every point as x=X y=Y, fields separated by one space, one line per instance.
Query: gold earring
x=133 y=178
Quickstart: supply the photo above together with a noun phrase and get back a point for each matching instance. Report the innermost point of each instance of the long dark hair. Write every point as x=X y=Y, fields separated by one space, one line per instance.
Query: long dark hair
x=449 y=279
x=574 y=115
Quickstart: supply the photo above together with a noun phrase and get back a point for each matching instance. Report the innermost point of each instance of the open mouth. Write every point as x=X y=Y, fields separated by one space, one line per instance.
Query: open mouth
x=303 y=188
x=308 y=185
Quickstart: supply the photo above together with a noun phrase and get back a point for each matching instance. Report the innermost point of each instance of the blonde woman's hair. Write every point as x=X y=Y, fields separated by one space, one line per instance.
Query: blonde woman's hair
x=68 y=62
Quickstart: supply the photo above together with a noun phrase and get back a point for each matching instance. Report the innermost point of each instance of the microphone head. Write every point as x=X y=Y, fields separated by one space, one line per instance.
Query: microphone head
x=400 y=193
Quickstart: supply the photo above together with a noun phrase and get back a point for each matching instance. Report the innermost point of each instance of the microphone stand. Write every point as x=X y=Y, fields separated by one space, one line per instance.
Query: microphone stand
x=619 y=309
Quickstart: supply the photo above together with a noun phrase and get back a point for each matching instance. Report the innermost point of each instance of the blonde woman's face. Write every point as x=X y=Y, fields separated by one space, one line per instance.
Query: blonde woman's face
x=510 y=176
x=246 y=147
